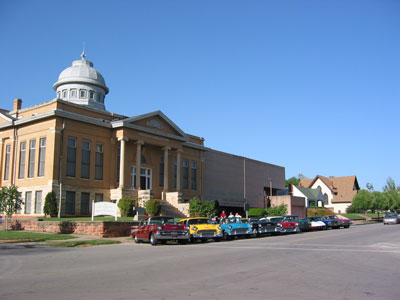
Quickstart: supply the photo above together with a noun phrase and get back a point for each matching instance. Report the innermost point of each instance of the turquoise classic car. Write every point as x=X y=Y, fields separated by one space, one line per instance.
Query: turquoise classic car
x=233 y=226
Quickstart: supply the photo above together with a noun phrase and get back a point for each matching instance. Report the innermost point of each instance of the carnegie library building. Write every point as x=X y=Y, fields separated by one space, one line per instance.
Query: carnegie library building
x=73 y=146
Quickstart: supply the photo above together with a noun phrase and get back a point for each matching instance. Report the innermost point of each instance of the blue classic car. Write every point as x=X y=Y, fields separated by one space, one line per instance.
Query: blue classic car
x=234 y=226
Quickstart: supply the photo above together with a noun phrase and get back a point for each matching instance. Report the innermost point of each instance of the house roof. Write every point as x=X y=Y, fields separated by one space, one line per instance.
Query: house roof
x=311 y=194
x=343 y=188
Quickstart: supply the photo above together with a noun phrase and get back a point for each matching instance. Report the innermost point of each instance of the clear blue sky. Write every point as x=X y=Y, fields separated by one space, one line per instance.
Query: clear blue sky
x=313 y=86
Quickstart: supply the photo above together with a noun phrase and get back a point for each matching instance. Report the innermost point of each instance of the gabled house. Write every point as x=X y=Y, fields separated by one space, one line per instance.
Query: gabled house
x=313 y=197
x=337 y=191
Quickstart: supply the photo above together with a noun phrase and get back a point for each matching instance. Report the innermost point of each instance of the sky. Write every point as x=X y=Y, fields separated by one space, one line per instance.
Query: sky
x=313 y=86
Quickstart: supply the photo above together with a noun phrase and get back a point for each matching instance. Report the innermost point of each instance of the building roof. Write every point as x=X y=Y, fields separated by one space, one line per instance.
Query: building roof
x=311 y=194
x=343 y=188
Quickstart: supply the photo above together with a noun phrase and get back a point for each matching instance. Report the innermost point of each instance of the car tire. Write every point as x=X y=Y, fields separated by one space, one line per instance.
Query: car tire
x=182 y=242
x=255 y=232
x=226 y=237
x=203 y=240
x=137 y=241
x=153 y=239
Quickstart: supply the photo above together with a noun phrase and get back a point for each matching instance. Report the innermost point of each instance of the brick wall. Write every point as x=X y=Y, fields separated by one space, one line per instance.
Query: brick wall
x=101 y=229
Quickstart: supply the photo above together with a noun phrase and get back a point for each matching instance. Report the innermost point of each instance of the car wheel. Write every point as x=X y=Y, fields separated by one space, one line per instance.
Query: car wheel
x=137 y=241
x=203 y=240
x=217 y=239
x=346 y=226
x=255 y=232
x=182 y=242
x=153 y=239
x=226 y=236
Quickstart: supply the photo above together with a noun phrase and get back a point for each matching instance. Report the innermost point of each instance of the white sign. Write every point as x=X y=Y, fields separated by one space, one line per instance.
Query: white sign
x=104 y=209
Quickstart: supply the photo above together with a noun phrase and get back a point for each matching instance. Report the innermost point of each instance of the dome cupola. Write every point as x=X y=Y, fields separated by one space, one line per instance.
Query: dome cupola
x=82 y=84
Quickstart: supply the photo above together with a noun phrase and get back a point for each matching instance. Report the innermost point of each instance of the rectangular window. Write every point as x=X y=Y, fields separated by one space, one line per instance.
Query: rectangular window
x=28 y=200
x=185 y=166
x=85 y=203
x=71 y=157
x=82 y=94
x=42 y=156
x=38 y=202
x=193 y=176
x=91 y=94
x=175 y=170
x=32 y=153
x=98 y=198
x=22 y=154
x=7 y=162
x=118 y=162
x=70 y=203
x=162 y=170
x=73 y=93
x=85 y=165
x=99 y=162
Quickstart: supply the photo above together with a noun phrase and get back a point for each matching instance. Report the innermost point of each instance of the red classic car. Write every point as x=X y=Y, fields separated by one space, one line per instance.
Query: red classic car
x=163 y=229
x=286 y=226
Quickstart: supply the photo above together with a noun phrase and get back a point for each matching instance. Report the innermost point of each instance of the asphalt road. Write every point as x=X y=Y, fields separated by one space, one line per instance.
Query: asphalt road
x=362 y=262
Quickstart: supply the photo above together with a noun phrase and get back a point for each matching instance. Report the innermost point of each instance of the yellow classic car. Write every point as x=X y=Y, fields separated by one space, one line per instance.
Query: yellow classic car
x=202 y=229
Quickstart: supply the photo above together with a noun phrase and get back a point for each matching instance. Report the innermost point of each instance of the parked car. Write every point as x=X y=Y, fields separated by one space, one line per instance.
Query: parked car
x=391 y=218
x=330 y=223
x=303 y=224
x=233 y=226
x=202 y=229
x=316 y=224
x=345 y=223
x=260 y=225
x=286 y=226
x=163 y=229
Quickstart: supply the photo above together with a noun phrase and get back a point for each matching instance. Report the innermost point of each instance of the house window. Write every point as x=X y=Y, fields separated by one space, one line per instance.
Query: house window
x=91 y=95
x=7 y=162
x=82 y=94
x=162 y=170
x=70 y=203
x=38 y=202
x=59 y=95
x=185 y=174
x=85 y=203
x=85 y=163
x=73 y=93
x=143 y=160
x=22 y=154
x=42 y=156
x=98 y=198
x=71 y=157
x=65 y=94
x=193 y=176
x=145 y=178
x=32 y=153
x=28 y=201
x=99 y=162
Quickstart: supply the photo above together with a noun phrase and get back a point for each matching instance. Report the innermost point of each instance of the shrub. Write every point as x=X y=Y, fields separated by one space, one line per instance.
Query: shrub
x=257 y=212
x=352 y=210
x=153 y=207
x=318 y=211
x=198 y=208
x=125 y=205
x=50 y=204
x=279 y=210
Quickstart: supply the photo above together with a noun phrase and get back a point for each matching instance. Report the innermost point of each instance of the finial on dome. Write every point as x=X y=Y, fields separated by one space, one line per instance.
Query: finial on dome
x=83 y=55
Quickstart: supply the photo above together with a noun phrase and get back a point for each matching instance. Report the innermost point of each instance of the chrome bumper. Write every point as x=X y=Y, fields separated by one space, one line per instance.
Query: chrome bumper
x=170 y=236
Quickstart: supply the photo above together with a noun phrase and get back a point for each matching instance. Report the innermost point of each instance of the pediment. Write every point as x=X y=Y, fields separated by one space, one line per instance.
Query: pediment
x=155 y=122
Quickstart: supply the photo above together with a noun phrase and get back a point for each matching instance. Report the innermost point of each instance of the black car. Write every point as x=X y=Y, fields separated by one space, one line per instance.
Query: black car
x=261 y=225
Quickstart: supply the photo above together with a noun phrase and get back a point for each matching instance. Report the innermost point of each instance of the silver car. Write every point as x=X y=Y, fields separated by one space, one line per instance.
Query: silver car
x=391 y=218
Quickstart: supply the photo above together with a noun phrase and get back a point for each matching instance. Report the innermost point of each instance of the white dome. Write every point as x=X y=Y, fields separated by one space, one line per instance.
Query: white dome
x=82 y=84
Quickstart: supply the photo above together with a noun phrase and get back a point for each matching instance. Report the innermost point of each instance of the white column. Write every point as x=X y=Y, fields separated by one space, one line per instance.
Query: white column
x=122 y=162
x=178 y=169
x=138 y=162
x=166 y=149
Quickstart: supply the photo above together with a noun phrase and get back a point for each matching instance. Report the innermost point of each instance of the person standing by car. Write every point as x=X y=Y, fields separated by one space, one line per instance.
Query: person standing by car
x=237 y=215
x=223 y=215
x=230 y=215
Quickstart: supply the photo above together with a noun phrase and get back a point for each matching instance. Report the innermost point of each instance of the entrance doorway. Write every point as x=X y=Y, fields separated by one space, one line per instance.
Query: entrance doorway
x=145 y=178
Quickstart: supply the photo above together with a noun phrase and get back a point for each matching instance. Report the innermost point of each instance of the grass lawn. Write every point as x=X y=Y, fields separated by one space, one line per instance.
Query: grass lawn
x=353 y=216
x=88 y=219
x=23 y=236
x=84 y=243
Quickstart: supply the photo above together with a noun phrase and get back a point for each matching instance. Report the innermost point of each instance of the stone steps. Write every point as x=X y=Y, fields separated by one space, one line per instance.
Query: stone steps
x=168 y=210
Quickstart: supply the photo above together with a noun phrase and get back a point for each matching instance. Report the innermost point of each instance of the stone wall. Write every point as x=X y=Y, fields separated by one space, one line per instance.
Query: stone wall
x=97 y=228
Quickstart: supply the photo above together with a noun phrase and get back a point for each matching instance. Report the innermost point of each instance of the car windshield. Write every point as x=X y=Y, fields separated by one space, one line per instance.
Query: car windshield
x=198 y=221
x=331 y=217
x=315 y=218
x=231 y=220
x=255 y=219
x=291 y=218
x=391 y=215
x=276 y=220
x=161 y=220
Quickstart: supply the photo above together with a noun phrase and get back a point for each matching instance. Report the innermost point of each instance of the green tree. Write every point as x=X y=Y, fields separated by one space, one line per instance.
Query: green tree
x=10 y=201
x=257 y=212
x=153 y=207
x=294 y=180
x=198 y=208
x=362 y=200
x=50 y=204
x=279 y=210
x=369 y=186
x=390 y=185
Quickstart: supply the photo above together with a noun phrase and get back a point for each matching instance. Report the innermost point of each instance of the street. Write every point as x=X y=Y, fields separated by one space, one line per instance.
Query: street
x=362 y=262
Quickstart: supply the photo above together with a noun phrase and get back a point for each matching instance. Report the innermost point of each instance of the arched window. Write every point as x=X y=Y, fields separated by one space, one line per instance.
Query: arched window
x=143 y=159
x=326 y=198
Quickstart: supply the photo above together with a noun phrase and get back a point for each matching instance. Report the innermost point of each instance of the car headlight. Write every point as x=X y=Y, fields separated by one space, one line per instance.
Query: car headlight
x=159 y=228
x=230 y=226
x=194 y=228
x=259 y=225
x=219 y=227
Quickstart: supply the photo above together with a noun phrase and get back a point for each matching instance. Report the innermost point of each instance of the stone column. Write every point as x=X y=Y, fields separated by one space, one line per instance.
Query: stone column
x=166 y=149
x=178 y=169
x=1 y=159
x=138 y=162
x=122 y=140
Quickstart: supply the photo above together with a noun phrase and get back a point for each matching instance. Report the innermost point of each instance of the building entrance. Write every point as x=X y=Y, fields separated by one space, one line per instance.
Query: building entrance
x=145 y=178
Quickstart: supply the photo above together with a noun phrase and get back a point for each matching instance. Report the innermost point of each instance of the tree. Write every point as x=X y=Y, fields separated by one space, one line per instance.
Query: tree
x=369 y=186
x=279 y=210
x=198 y=208
x=10 y=201
x=153 y=207
x=294 y=180
x=50 y=204
x=362 y=200
x=390 y=185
